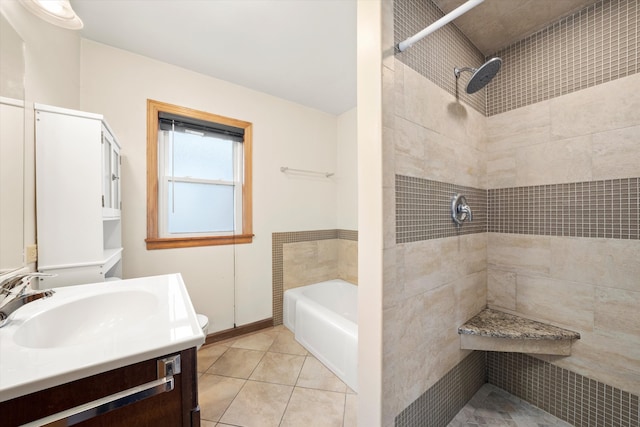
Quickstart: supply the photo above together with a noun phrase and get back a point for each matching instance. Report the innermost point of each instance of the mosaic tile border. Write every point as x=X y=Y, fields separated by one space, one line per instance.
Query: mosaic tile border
x=571 y=397
x=277 y=263
x=596 y=209
x=423 y=209
x=435 y=57
x=599 y=209
x=595 y=45
x=440 y=403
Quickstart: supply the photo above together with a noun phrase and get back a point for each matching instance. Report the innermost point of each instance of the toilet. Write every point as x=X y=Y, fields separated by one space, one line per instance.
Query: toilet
x=203 y=321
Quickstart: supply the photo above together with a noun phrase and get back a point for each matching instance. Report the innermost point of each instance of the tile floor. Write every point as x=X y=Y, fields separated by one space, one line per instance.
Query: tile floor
x=267 y=379
x=492 y=406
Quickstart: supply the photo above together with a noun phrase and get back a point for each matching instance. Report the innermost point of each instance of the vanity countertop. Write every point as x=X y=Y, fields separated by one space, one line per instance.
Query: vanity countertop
x=498 y=324
x=84 y=330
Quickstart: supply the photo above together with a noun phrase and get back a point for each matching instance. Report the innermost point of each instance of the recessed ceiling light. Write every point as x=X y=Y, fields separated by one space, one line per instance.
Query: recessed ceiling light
x=56 y=12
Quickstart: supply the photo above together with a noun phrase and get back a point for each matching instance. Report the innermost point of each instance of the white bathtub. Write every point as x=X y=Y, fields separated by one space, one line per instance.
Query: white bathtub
x=324 y=319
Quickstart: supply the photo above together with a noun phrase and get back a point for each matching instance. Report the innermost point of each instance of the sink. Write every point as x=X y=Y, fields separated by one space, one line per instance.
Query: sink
x=85 y=330
x=87 y=319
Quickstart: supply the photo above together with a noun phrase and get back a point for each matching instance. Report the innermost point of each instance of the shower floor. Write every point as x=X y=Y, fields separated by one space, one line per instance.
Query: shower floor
x=492 y=406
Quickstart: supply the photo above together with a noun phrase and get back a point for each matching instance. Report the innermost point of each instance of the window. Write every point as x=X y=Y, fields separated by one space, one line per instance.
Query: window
x=198 y=178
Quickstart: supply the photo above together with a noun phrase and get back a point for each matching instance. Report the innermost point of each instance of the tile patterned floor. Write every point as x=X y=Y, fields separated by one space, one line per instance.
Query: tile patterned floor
x=267 y=379
x=492 y=406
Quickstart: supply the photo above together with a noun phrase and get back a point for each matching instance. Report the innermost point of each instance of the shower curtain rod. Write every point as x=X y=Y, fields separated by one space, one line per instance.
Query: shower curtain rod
x=460 y=10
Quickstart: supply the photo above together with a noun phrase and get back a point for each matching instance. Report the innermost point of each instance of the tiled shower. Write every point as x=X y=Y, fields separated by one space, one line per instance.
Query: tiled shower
x=548 y=157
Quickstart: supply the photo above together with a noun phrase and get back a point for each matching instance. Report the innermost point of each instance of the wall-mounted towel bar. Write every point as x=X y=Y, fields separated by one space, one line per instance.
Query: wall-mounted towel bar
x=285 y=169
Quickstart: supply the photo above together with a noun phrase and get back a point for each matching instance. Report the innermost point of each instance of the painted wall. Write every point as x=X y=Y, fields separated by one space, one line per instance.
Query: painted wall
x=285 y=134
x=63 y=70
x=347 y=171
x=52 y=69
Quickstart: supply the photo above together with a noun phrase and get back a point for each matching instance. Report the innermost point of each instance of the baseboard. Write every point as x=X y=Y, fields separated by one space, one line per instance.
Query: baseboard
x=238 y=330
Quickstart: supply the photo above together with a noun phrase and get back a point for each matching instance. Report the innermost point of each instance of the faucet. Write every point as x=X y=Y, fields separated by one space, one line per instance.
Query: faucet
x=460 y=210
x=14 y=294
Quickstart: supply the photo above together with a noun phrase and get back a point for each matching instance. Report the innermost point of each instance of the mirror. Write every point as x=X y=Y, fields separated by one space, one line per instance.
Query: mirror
x=12 y=70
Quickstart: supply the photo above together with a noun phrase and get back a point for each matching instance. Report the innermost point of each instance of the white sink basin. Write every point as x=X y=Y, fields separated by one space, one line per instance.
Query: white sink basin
x=86 y=320
x=84 y=330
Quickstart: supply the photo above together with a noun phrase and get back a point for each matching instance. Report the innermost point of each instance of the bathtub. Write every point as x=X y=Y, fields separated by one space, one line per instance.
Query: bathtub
x=324 y=319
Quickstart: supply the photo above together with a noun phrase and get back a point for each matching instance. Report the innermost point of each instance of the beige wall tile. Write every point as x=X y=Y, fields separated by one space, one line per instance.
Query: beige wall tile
x=389 y=158
x=617 y=313
x=501 y=169
x=622 y=265
x=554 y=162
x=419 y=336
x=501 y=289
x=578 y=259
x=519 y=253
x=611 y=360
x=616 y=153
x=305 y=263
x=348 y=260
x=600 y=108
x=562 y=303
x=603 y=262
x=388 y=96
x=518 y=128
x=471 y=296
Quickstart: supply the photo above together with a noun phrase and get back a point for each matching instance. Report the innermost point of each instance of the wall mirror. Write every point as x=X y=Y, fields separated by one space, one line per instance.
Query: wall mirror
x=12 y=71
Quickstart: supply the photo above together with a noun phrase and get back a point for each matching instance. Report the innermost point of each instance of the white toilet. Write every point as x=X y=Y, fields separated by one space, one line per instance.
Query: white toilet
x=204 y=325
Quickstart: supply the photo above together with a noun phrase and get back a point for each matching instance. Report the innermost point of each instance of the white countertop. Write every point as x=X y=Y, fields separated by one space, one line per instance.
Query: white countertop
x=153 y=316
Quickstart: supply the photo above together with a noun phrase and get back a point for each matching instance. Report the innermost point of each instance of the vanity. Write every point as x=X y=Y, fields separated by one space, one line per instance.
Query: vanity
x=104 y=354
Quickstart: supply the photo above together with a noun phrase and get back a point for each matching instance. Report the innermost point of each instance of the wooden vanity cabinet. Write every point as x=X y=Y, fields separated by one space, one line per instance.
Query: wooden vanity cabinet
x=178 y=407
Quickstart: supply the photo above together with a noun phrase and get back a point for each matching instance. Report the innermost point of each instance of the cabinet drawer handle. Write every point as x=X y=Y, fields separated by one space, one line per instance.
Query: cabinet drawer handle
x=106 y=404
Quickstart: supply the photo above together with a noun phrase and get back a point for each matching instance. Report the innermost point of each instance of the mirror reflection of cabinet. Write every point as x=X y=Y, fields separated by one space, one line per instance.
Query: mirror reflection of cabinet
x=11 y=185
x=78 y=197
x=110 y=174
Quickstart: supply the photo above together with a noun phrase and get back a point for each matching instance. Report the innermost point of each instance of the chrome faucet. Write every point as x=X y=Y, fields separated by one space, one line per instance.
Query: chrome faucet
x=460 y=210
x=14 y=293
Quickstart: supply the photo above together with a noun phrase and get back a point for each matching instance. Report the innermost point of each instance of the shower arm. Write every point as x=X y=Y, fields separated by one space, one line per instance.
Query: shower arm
x=458 y=70
x=460 y=10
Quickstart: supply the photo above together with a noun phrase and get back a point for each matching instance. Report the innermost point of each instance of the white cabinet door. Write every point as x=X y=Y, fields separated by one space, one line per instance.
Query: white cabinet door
x=110 y=175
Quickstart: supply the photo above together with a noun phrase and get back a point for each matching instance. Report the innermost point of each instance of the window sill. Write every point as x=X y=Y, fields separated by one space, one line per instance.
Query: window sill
x=188 y=242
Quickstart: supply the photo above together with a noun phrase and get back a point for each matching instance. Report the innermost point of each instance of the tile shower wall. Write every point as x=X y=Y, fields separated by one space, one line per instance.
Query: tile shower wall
x=435 y=277
x=304 y=257
x=588 y=136
x=423 y=209
x=595 y=45
x=564 y=219
x=436 y=56
x=579 y=400
x=438 y=405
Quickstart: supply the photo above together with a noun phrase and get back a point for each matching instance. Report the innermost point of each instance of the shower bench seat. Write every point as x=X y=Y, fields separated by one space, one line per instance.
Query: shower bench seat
x=494 y=330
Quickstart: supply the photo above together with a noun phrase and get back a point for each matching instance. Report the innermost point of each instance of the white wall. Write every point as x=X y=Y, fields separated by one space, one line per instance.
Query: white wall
x=347 y=171
x=117 y=84
x=52 y=69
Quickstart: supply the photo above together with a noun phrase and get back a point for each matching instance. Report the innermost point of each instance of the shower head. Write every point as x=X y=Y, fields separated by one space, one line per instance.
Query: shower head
x=481 y=75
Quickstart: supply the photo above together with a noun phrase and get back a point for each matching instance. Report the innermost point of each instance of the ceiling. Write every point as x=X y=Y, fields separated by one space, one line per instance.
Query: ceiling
x=300 y=50
x=495 y=24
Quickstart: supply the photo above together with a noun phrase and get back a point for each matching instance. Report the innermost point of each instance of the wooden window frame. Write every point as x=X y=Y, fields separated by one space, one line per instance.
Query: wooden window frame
x=153 y=240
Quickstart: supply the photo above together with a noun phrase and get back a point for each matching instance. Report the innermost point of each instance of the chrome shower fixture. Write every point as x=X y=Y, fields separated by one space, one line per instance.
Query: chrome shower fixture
x=481 y=75
x=460 y=210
